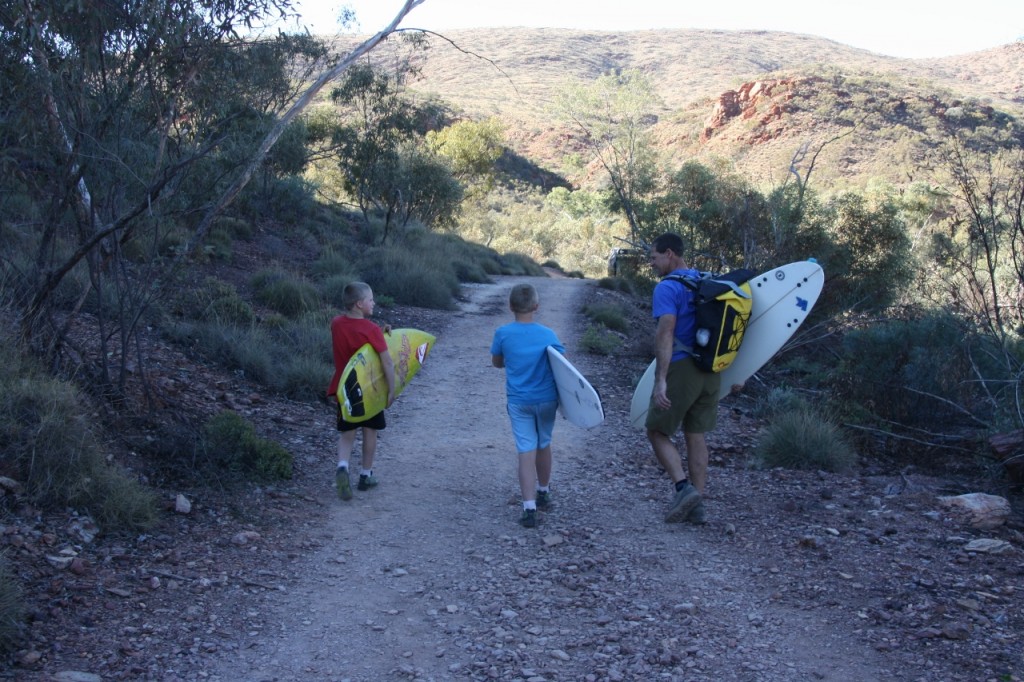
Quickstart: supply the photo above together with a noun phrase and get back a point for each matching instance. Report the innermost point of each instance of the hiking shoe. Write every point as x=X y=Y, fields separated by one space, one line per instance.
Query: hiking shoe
x=543 y=499
x=366 y=482
x=529 y=518
x=683 y=503
x=344 y=485
x=697 y=516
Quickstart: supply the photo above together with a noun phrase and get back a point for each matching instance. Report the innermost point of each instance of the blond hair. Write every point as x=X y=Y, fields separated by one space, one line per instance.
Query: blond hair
x=523 y=298
x=355 y=292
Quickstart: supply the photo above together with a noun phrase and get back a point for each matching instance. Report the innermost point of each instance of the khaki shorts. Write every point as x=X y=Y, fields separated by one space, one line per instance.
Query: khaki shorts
x=694 y=396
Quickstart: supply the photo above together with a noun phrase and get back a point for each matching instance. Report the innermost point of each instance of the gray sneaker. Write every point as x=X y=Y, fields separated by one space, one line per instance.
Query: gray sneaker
x=344 y=484
x=683 y=503
x=697 y=516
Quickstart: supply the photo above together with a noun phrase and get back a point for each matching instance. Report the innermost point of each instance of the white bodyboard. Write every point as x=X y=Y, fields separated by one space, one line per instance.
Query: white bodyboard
x=578 y=401
x=783 y=298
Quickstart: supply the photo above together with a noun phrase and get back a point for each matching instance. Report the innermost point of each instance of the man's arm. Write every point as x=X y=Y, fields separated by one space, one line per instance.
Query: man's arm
x=664 y=340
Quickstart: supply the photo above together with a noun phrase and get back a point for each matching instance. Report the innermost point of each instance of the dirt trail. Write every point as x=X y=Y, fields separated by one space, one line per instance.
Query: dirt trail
x=429 y=577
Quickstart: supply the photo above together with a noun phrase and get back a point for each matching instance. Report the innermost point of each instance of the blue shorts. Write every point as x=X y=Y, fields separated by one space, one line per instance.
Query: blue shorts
x=532 y=425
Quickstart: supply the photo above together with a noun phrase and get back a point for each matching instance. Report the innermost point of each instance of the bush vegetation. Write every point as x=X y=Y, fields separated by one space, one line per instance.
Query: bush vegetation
x=598 y=340
x=48 y=444
x=229 y=446
x=611 y=315
x=801 y=436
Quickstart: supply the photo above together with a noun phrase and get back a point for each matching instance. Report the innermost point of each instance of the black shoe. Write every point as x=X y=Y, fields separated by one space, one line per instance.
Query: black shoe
x=685 y=500
x=544 y=499
x=366 y=482
x=697 y=515
x=529 y=518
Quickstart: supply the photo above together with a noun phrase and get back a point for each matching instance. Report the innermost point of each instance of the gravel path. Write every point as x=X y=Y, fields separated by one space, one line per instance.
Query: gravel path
x=429 y=577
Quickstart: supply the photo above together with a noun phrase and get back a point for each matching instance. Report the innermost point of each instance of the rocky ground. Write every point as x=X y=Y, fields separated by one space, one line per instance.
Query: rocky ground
x=797 y=575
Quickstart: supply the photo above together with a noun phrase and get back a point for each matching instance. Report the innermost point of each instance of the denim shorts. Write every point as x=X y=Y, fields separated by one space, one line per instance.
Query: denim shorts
x=532 y=425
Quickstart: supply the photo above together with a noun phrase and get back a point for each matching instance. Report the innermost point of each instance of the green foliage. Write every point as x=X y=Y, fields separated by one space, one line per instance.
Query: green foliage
x=598 y=340
x=47 y=444
x=385 y=164
x=867 y=261
x=12 y=607
x=617 y=284
x=932 y=371
x=471 y=148
x=614 y=113
x=611 y=315
x=799 y=436
x=152 y=145
x=289 y=295
x=291 y=357
x=410 y=277
x=231 y=445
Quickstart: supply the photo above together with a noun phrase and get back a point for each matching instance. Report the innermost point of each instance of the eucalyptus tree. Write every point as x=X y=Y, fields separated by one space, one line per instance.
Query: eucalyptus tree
x=381 y=152
x=125 y=128
x=614 y=114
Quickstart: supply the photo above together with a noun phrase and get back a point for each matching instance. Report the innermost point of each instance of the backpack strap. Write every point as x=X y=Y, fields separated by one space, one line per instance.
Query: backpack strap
x=693 y=284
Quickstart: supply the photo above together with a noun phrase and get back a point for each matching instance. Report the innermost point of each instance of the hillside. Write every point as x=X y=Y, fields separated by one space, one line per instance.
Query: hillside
x=516 y=73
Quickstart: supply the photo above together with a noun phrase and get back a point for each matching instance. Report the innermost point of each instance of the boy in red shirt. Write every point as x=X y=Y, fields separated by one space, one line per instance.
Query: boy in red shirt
x=350 y=331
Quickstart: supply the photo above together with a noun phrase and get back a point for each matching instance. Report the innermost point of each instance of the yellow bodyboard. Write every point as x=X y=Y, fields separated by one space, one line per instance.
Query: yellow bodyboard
x=363 y=389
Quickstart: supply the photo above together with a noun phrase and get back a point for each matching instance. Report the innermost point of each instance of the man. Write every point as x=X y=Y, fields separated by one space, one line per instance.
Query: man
x=683 y=394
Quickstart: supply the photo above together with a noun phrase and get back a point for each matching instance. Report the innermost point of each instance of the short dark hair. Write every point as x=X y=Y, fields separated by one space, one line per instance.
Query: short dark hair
x=669 y=240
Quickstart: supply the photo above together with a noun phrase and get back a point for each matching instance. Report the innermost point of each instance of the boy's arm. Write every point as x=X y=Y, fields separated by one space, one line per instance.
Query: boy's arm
x=498 y=361
x=388 y=365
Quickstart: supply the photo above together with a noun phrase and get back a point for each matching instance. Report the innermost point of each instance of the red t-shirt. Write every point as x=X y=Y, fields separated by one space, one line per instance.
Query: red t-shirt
x=349 y=334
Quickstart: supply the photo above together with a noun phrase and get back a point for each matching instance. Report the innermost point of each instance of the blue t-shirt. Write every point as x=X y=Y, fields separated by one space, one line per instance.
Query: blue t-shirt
x=673 y=298
x=528 y=377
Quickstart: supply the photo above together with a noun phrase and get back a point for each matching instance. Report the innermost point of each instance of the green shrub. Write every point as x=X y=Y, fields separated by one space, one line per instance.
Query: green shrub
x=231 y=445
x=520 y=264
x=616 y=284
x=333 y=289
x=804 y=438
x=289 y=295
x=599 y=341
x=48 y=445
x=410 y=278
x=334 y=262
x=918 y=371
x=236 y=228
x=611 y=315
x=116 y=500
x=218 y=301
x=12 y=608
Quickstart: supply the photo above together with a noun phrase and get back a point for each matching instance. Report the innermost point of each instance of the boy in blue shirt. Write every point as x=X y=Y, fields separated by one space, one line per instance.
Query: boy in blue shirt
x=520 y=348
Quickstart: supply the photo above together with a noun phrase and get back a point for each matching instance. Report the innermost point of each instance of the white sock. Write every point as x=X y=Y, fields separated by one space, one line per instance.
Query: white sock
x=543 y=488
x=366 y=472
x=343 y=465
x=529 y=504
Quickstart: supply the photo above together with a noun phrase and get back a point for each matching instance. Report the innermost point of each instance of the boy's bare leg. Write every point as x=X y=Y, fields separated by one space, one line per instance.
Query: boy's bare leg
x=369 y=447
x=528 y=475
x=345 y=443
x=544 y=466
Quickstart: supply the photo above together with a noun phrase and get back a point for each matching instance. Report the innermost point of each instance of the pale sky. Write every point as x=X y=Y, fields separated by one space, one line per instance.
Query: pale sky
x=899 y=28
